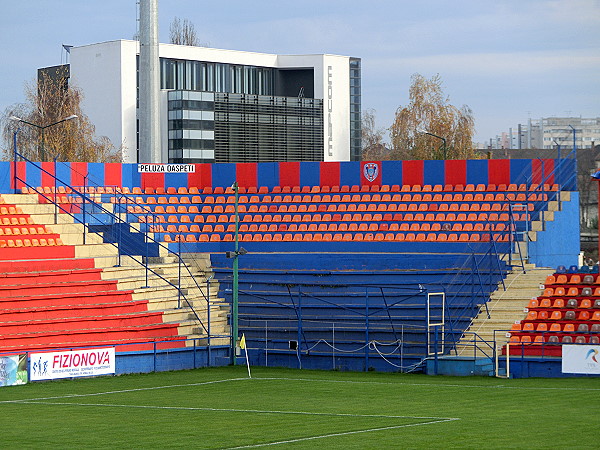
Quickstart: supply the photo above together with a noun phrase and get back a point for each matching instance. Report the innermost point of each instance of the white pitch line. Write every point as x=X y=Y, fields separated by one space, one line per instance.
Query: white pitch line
x=255 y=411
x=400 y=383
x=123 y=391
x=345 y=433
x=470 y=386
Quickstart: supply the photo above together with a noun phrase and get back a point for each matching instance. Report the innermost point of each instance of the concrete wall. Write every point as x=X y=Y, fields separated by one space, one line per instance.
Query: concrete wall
x=559 y=244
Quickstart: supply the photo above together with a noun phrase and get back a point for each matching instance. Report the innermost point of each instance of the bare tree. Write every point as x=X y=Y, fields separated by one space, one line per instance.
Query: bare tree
x=183 y=33
x=48 y=101
x=429 y=110
x=373 y=147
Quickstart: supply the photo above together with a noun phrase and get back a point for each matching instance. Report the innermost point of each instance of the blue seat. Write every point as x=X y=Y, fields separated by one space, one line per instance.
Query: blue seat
x=561 y=269
x=573 y=269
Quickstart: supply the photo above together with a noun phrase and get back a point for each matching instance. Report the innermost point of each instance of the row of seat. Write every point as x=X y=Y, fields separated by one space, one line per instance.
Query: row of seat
x=556 y=327
x=571 y=303
x=354 y=223
x=478 y=222
x=16 y=231
x=18 y=243
x=318 y=199
x=348 y=237
x=574 y=278
x=332 y=208
x=570 y=292
x=544 y=315
x=553 y=339
x=10 y=210
x=294 y=189
x=21 y=220
x=284 y=227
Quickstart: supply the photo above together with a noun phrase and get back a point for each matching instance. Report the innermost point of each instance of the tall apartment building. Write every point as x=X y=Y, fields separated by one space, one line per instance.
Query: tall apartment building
x=224 y=105
x=561 y=130
x=549 y=131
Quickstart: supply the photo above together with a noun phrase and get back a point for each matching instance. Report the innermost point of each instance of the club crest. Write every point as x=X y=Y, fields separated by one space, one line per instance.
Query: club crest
x=371 y=171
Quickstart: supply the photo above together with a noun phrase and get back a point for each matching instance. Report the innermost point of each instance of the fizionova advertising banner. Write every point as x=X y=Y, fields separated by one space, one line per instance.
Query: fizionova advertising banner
x=13 y=370
x=75 y=363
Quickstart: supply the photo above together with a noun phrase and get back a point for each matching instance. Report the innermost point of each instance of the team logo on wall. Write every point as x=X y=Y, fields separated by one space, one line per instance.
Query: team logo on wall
x=371 y=171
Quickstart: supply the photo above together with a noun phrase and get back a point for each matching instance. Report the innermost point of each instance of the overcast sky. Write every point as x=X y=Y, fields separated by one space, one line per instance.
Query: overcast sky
x=507 y=60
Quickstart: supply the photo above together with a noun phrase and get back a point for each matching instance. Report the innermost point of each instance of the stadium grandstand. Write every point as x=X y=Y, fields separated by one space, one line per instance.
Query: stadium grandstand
x=432 y=266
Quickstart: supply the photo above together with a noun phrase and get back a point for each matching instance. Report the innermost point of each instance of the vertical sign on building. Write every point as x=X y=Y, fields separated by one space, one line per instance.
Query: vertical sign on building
x=329 y=110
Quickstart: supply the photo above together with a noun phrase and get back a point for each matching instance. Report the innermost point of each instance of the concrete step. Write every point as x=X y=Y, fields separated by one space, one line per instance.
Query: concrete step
x=505 y=307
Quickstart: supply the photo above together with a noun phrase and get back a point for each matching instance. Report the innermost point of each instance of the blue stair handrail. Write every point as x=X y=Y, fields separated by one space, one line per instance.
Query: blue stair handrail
x=87 y=200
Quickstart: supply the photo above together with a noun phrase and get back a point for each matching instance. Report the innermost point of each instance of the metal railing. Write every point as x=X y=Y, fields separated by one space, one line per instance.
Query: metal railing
x=86 y=201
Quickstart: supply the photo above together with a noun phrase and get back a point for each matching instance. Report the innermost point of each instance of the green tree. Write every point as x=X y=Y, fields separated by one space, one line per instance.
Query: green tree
x=50 y=100
x=429 y=111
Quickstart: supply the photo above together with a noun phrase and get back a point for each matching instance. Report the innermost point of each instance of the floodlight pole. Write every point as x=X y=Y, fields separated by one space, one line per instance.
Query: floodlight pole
x=15 y=159
x=557 y=148
x=575 y=151
x=444 y=148
x=42 y=128
x=234 y=306
x=596 y=177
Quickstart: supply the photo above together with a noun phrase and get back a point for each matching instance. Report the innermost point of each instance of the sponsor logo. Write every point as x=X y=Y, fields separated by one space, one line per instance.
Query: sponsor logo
x=591 y=354
x=371 y=171
x=75 y=363
x=39 y=367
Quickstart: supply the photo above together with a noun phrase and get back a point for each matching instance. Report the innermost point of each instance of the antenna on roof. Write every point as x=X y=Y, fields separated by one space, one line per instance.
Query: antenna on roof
x=66 y=51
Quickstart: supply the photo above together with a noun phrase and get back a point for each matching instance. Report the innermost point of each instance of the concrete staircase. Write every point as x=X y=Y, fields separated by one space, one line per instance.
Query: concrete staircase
x=157 y=287
x=504 y=308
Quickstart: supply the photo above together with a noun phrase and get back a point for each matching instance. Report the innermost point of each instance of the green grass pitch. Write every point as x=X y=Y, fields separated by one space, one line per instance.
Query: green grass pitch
x=284 y=408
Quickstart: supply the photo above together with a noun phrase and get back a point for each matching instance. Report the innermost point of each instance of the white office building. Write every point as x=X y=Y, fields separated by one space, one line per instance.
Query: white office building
x=224 y=105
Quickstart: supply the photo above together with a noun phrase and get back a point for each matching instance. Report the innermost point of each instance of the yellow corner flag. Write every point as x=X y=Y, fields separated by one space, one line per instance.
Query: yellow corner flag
x=243 y=347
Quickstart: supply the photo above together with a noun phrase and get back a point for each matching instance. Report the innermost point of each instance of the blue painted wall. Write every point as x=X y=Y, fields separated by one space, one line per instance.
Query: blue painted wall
x=559 y=244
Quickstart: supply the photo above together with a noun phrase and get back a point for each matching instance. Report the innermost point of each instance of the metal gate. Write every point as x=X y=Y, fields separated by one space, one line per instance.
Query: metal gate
x=436 y=306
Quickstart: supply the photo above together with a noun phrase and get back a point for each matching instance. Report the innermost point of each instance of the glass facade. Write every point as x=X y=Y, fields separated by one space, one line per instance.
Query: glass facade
x=215 y=77
x=225 y=127
x=234 y=113
x=191 y=126
x=355 y=110
x=257 y=128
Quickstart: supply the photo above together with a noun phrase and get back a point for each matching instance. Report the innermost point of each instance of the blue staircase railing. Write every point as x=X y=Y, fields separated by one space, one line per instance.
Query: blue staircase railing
x=91 y=207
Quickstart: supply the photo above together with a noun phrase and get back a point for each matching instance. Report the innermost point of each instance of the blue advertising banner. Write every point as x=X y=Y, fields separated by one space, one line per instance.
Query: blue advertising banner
x=13 y=370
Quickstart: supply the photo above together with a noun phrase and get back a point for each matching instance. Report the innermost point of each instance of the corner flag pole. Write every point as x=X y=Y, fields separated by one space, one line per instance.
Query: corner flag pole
x=243 y=346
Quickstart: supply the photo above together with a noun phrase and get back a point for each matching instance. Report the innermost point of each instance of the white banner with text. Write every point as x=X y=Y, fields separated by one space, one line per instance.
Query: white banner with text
x=581 y=359
x=166 y=168
x=75 y=363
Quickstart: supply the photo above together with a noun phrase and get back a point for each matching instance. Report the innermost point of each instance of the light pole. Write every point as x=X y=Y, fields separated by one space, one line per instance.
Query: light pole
x=557 y=147
x=42 y=128
x=237 y=251
x=596 y=177
x=15 y=158
x=574 y=137
x=436 y=136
